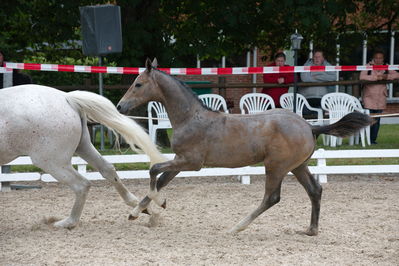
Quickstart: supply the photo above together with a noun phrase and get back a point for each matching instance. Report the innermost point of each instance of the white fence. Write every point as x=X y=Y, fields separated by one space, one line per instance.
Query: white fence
x=321 y=170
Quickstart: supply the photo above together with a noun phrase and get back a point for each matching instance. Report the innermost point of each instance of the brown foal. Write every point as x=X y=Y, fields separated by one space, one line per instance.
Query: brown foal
x=280 y=139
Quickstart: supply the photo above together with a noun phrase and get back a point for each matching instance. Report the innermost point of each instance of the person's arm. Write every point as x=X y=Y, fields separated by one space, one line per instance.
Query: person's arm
x=307 y=77
x=289 y=78
x=270 y=78
x=392 y=74
x=324 y=76
x=365 y=76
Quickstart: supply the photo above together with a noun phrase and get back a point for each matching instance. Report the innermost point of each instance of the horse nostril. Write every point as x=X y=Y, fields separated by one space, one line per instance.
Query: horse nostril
x=118 y=107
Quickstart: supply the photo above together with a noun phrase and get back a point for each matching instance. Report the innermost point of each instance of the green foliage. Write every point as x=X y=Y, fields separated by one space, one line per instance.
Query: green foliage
x=50 y=78
x=176 y=31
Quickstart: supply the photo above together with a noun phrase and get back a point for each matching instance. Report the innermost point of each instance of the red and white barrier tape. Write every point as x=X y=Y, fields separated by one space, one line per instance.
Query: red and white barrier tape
x=309 y=120
x=5 y=70
x=194 y=71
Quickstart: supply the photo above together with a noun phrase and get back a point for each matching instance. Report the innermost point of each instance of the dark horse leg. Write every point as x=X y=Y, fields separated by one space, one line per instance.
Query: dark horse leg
x=314 y=191
x=162 y=181
x=169 y=169
x=271 y=197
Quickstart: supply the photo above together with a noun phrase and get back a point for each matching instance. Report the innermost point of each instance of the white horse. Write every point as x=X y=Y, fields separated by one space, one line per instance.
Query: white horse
x=50 y=126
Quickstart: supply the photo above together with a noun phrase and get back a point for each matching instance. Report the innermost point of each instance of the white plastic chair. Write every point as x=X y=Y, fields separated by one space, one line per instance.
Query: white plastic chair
x=214 y=102
x=337 y=105
x=365 y=132
x=287 y=102
x=253 y=103
x=161 y=122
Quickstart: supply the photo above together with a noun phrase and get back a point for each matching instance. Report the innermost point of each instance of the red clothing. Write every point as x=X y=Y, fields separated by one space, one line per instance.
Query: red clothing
x=276 y=93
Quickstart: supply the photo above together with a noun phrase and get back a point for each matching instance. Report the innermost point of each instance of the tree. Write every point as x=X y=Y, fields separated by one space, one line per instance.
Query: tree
x=216 y=28
x=175 y=30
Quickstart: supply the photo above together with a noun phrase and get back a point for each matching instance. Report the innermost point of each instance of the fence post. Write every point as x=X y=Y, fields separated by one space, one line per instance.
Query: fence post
x=82 y=168
x=5 y=186
x=322 y=178
x=245 y=179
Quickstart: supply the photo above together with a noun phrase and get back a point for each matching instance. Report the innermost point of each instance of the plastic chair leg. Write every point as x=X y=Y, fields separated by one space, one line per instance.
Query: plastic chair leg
x=333 y=141
x=352 y=140
x=362 y=137
x=326 y=140
x=154 y=135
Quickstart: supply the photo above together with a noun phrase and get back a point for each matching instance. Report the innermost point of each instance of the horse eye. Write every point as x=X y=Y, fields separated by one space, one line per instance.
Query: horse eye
x=138 y=85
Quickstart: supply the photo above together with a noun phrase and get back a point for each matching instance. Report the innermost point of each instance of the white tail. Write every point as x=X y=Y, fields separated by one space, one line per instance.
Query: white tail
x=101 y=110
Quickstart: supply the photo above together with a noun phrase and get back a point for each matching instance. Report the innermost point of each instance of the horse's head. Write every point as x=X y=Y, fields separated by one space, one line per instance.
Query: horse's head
x=143 y=89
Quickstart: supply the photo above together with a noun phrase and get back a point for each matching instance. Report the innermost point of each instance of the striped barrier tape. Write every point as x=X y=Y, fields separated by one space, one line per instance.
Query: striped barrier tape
x=309 y=120
x=194 y=71
x=5 y=70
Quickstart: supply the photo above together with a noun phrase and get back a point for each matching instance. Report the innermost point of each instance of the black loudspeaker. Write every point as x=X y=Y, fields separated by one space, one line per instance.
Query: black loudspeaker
x=101 y=29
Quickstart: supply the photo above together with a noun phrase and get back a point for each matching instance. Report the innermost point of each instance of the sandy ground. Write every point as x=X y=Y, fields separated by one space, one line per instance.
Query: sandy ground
x=359 y=225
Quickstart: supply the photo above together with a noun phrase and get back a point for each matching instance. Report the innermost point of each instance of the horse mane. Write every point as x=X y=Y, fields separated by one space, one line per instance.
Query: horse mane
x=187 y=88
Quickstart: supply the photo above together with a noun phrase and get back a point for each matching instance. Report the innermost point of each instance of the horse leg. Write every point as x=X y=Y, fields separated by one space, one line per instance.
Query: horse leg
x=65 y=173
x=162 y=181
x=271 y=197
x=314 y=191
x=170 y=170
x=178 y=164
x=87 y=151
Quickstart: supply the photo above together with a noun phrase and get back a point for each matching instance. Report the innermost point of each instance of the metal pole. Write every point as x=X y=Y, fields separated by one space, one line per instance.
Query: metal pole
x=100 y=85
x=198 y=61
x=391 y=61
x=337 y=62
x=364 y=59
x=295 y=79
x=254 y=63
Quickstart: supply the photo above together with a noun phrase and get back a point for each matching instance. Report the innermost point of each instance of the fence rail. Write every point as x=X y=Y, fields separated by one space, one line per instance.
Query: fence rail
x=224 y=85
x=321 y=170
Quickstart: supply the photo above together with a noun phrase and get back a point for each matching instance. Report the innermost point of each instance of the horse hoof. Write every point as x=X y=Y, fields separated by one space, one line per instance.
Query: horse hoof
x=312 y=232
x=66 y=223
x=145 y=211
x=131 y=217
x=164 y=204
x=235 y=230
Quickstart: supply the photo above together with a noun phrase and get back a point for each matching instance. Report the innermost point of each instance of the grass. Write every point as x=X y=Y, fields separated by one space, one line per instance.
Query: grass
x=388 y=139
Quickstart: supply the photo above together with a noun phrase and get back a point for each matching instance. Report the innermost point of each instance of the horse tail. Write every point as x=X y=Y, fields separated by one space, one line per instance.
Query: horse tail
x=346 y=126
x=101 y=110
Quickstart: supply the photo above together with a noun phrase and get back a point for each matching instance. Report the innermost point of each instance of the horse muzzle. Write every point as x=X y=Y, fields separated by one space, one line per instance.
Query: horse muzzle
x=123 y=107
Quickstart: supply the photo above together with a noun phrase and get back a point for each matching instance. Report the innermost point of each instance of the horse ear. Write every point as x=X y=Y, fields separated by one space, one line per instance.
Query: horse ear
x=155 y=63
x=148 y=65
